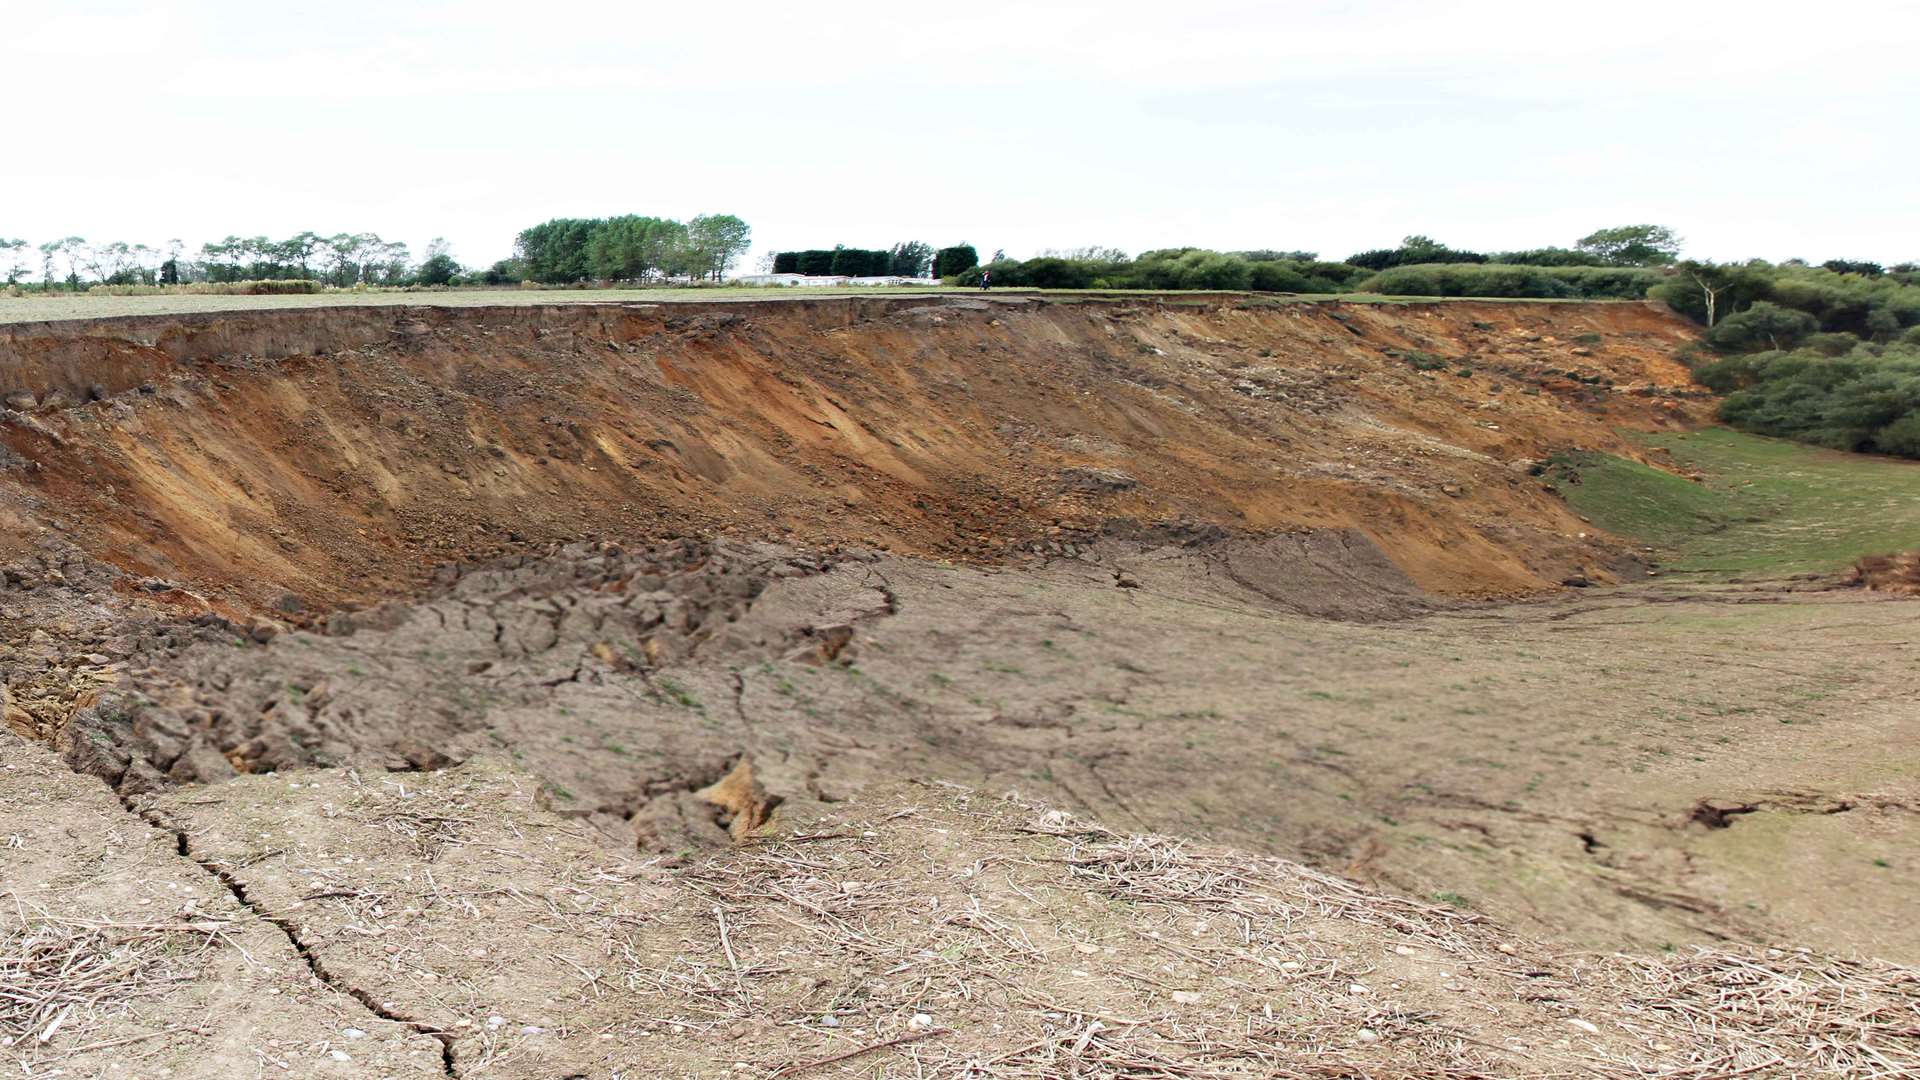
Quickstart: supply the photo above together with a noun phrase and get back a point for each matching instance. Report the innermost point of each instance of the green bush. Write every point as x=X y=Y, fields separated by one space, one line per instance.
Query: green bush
x=1170 y=268
x=1509 y=281
x=1827 y=355
x=1868 y=399
x=1765 y=325
x=955 y=260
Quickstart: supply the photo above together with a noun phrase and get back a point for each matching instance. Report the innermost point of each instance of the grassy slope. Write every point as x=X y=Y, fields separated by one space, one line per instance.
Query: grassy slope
x=1767 y=506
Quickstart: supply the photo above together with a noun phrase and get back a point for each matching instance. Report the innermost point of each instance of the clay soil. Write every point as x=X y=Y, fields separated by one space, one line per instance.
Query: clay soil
x=650 y=690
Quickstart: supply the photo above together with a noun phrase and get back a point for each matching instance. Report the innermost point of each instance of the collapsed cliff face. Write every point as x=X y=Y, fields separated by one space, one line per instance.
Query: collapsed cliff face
x=1184 y=566
x=302 y=460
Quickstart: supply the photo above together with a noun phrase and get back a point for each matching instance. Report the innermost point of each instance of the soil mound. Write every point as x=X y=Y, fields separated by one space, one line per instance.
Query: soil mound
x=1897 y=574
x=202 y=703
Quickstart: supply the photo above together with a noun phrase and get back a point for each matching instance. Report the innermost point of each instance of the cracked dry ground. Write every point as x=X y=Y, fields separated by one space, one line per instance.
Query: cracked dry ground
x=1628 y=767
x=1634 y=768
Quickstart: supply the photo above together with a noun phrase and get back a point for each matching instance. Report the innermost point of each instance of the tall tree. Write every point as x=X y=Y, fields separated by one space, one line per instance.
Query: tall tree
x=15 y=258
x=1633 y=245
x=438 y=268
x=716 y=242
x=910 y=258
x=60 y=260
x=957 y=259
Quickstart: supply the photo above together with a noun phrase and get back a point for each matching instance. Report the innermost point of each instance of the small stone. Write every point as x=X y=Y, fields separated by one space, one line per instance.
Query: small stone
x=1185 y=997
x=1367 y=1035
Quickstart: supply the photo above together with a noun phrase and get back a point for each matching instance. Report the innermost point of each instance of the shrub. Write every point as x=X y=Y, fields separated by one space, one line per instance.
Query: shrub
x=278 y=287
x=1513 y=282
x=1763 y=326
x=1413 y=251
x=1868 y=399
x=1279 y=277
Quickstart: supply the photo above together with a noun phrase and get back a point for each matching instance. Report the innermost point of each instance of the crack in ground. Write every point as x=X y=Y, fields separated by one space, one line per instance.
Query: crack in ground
x=312 y=959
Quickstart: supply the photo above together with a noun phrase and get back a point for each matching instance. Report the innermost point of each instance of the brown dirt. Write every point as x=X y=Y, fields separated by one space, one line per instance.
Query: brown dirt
x=143 y=964
x=922 y=931
x=1898 y=574
x=321 y=457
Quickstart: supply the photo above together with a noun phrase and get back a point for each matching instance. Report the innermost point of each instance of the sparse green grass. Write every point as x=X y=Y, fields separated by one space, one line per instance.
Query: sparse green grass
x=1767 y=506
x=676 y=693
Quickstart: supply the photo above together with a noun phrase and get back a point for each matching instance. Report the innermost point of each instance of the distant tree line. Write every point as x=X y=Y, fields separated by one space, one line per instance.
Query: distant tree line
x=626 y=248
x=341 y=260
x=1619 y=262
x=1168 y=268
x=1624 y=245
x=910 y=258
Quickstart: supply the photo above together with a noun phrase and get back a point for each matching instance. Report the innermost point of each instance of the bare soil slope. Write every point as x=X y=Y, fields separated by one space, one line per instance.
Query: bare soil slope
x=311 y=458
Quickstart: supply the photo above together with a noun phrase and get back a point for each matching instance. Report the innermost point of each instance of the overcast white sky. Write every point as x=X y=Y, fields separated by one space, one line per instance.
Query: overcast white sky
x=1753 y=128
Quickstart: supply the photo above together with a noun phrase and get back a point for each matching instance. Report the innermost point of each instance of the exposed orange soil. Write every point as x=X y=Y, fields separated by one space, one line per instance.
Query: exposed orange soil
x=336 y=454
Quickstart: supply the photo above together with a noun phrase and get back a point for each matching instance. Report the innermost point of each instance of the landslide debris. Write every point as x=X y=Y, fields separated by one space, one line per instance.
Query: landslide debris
x=409 y=685
x=923 y=930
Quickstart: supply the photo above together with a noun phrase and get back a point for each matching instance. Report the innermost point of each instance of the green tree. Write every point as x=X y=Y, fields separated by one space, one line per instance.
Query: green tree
x=60 y=260
x=955 y=260
x=15 y=258
x=1765 y=325
x=438 y=268
x=1707 y=290
x=715 y=242
x=910 y=258
x=814 y=262
x=1632 y=245
x=1413 y=250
